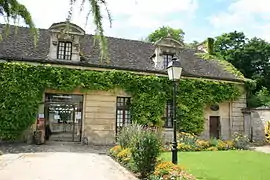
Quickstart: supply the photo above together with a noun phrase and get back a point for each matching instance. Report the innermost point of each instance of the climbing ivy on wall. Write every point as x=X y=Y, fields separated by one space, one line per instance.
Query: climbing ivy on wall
x=22 y=86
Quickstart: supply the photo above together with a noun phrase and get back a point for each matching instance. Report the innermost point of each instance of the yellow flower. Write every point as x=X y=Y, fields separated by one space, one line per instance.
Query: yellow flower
x=115 y=150
x=212 y=149
x=123 y=154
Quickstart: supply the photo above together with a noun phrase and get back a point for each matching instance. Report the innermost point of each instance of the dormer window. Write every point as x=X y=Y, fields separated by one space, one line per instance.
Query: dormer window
x=64 y=50
x=166 y=59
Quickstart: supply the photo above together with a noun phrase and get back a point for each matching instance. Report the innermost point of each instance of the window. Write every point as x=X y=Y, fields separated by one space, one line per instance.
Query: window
x=122 y=112
x=168 y=115
x=167 y=58
x=64 y=50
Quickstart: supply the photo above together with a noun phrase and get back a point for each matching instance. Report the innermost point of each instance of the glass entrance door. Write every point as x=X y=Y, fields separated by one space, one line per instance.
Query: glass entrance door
x=63 y=115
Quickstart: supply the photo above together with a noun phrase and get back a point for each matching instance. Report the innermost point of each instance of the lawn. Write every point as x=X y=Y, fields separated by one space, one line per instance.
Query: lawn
x=225 y=165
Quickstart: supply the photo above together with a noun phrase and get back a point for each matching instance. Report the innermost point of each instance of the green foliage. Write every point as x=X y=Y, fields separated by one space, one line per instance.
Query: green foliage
x=226 y=65
x=187 y=138
x=127 y=133
x=249 y=56
x=190 y=142
x=165 y=31
x=145 y=150
x=195 y=95
x=240 y=141
x=22 y=87
x=261 y=98
x=95 y=11
x=192 y=45
x=210 y=45
x=13 y=10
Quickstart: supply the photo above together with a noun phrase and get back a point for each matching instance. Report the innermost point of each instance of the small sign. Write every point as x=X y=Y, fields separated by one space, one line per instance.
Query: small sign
x=78 y=115
x=56 y=116
x=40 y=115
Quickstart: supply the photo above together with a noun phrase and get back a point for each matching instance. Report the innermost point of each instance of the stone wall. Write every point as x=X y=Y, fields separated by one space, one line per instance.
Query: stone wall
x=256 y=121
x=237 y=115
x=231 y=118
x=100 y=117
x=224 y=114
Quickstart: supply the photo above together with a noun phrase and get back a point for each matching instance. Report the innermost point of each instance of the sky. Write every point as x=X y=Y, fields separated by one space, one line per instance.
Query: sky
x=135 y=19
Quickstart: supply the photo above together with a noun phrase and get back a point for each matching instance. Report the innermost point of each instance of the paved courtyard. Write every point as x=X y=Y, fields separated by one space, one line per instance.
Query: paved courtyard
x=59 y=162
x=265 y=149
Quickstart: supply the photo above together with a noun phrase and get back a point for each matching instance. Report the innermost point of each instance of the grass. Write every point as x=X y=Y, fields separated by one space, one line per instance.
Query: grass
x=225 y=165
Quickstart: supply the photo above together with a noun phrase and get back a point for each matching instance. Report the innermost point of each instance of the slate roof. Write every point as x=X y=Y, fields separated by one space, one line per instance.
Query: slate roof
x=124 y=54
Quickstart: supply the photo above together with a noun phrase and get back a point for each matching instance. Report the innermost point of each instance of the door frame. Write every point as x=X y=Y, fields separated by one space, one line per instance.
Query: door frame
x=218 y=133
x=46 y=113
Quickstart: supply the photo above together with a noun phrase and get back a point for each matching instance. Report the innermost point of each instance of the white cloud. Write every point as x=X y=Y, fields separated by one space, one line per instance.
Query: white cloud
x=244 y=15
x=127 y=14
x=264 y=31
x=241 y=12
x=230 y=20
x=150 y=7
x=251 y=6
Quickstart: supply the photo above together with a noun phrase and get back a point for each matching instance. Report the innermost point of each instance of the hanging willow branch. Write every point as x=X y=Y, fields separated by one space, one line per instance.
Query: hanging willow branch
x=13 y=10
x=95 y=11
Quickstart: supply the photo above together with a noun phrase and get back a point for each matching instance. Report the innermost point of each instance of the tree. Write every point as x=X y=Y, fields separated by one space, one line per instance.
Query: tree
x=165 y=31
x=193 y=44
x=12 y=9
x=250 y=56
x=260 y=98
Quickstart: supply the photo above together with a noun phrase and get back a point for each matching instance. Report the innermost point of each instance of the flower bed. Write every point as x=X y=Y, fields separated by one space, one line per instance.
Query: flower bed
x=139 y=150
x=191 y=142
x=164 y=170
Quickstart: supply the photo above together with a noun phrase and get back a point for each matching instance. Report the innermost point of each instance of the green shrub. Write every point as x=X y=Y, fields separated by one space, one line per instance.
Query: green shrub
x=127 y=133
x=146 y=148
x=213 y=142
x=240 y=141
x=1 y=153
x=187 y=138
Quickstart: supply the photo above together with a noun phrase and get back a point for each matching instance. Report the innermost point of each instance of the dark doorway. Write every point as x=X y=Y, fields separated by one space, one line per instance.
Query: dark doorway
x=63 y=116
x=214 y=127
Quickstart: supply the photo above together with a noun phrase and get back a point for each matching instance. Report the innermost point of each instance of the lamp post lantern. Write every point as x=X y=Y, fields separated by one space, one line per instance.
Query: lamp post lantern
x=174 y=72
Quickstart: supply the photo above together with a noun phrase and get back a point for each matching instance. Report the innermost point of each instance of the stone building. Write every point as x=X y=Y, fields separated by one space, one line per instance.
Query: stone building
x=96 y=116
x=256 y=121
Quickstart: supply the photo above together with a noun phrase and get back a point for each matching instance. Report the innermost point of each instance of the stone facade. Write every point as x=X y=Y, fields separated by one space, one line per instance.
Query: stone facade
x=74 y=36
x=100 y=116
x=231 y=118
x=224 y=114
x=237 y=115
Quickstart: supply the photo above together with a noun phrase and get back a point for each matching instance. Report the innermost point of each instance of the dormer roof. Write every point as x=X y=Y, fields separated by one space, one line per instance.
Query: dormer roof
x=68 y=27
x=169 y=42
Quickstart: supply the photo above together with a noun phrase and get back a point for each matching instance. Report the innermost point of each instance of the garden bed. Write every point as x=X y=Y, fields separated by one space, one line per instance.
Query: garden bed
x=139 y=150
x=190 y=142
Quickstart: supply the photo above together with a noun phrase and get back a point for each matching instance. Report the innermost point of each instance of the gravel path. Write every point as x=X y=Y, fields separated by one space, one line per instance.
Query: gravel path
x=265 y=149
x=60 y=163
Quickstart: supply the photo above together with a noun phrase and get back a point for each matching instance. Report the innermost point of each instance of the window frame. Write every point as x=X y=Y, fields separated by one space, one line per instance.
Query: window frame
x=167 y=57
x=124 y=107
x=67 y=51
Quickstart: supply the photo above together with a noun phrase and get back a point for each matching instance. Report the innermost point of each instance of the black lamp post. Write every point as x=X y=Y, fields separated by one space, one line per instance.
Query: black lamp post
x=174 y=72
